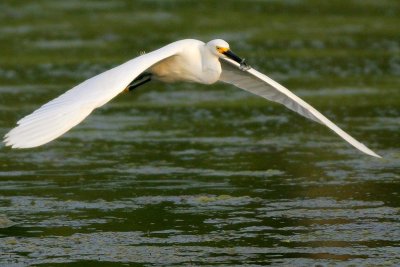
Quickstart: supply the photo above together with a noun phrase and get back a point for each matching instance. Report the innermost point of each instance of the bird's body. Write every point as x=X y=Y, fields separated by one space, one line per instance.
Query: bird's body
x=185 y=60
x=194 y=63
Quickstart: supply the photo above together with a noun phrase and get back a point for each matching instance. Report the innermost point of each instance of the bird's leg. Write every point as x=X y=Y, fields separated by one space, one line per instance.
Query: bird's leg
x=140 y=80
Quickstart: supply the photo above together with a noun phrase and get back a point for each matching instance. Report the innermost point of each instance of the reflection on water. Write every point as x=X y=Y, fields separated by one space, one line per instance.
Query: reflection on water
x=186 y=174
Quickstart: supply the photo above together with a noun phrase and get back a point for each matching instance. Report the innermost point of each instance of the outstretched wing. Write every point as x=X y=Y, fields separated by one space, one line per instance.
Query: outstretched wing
x=261 y=85
x=64 y=112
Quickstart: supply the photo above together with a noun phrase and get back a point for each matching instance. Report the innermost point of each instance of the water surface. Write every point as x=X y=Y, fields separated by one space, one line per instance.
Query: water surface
x=187 y=174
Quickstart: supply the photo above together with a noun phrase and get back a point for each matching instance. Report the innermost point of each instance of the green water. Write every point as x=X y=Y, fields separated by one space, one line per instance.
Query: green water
x=189 y=175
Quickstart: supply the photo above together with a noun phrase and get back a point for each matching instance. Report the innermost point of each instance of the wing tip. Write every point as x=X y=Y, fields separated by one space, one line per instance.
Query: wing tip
x=14 y=143
x=373 y=154
x=8 y=143
x=363 y=148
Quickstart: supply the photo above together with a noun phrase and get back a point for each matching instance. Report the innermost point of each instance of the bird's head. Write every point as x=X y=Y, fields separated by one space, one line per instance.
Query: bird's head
x=221 y=48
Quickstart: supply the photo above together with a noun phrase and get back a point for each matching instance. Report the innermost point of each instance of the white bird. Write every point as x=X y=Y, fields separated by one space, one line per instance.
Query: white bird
x=185 y=60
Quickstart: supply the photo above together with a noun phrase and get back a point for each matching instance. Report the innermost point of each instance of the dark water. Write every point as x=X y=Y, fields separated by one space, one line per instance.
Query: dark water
x=187 y=174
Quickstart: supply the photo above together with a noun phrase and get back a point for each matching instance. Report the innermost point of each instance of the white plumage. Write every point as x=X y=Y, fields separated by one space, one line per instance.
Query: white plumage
x=186 y=60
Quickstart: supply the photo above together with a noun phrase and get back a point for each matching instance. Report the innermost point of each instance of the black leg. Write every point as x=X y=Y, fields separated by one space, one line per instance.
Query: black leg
x=140 y=80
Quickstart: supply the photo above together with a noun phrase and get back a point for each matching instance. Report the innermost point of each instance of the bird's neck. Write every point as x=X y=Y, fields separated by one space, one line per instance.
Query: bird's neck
x=211 y=67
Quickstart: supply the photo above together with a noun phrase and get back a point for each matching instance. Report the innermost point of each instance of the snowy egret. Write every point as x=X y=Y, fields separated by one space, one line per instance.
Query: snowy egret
x=185 y=60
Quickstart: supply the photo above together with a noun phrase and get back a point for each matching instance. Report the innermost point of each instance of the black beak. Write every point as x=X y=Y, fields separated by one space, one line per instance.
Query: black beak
x=234 y=57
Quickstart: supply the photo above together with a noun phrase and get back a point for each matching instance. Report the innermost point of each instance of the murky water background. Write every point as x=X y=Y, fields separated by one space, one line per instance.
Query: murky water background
x=186 y=174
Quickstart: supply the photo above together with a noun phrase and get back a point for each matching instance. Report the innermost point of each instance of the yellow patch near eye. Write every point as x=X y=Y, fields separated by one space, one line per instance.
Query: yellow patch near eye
x=222 y=49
